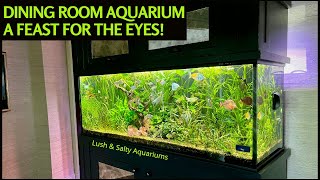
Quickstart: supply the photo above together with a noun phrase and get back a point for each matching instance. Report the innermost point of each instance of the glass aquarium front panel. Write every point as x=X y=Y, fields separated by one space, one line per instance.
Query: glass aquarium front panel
x=206 y=108
x=269 y=109
x=197 y=30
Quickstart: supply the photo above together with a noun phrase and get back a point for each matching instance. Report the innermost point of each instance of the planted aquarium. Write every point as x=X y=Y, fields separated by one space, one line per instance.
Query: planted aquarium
x=229 y=111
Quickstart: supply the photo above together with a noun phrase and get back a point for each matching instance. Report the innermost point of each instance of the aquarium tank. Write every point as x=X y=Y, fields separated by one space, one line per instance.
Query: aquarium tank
x=231 y=111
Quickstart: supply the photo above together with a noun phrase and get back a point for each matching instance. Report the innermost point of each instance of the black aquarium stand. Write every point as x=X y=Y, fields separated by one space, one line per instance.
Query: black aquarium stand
x=167 y=164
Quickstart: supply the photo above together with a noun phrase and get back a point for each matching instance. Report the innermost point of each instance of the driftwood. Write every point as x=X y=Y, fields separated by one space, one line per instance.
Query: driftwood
x=133 y=104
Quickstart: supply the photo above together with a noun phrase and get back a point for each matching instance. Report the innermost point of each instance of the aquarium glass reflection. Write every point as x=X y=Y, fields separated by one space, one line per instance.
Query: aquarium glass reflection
x=197 y=30
x=269 y=109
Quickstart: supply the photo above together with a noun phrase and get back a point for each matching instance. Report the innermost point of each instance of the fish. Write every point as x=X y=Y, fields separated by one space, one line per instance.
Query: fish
x=247 y=115
x=157 y=100
x=192 y=99
x=133 y=131
x=228 y=104
x=120 y=82
x=247 y=100
x=162 y=82
x=259 y=116
x=197 y=76
x=174 y=86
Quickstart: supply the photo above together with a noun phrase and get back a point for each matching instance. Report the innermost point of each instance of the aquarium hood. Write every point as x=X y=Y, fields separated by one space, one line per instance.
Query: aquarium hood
x=211 y=104
x=218 y=32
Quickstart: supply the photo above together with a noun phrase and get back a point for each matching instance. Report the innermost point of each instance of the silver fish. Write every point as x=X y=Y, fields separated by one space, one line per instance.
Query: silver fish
x=174 y=86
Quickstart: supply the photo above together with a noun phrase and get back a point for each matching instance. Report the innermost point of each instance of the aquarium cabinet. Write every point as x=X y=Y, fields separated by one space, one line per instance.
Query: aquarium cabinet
x=207 y=107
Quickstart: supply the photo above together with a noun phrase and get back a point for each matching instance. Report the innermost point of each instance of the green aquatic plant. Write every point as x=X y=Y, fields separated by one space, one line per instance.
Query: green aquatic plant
x=203 y=108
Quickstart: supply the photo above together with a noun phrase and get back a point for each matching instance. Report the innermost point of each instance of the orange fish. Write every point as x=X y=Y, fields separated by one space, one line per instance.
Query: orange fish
x=247 y=100
x=228 y=104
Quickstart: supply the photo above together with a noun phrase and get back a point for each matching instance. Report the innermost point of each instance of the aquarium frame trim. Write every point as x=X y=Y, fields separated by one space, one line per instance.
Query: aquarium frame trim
x=267 y=158
x=78 y=105
x=270 y=63
x=283 y=113
x=254 y=112
x=268 y=56
x=286 y=4
x=166 y=63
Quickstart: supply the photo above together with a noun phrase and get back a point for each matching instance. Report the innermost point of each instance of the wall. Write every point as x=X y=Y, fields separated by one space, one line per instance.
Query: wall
x=25 y=133
x=56 y=81
x=301 y=86
x=36 y=132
